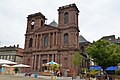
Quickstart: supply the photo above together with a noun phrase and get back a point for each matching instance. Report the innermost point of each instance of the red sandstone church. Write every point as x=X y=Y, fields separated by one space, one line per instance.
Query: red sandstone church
x=57 y=42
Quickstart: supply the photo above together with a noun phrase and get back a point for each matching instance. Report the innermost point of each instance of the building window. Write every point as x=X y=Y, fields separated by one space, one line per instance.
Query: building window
x=30 y=42
x=66 y=38
x=66 y=18
x=32 y=24
x=41 y=22
x=46 y=41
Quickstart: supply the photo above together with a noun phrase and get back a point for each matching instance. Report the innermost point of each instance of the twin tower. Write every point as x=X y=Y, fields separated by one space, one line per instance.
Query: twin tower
x=52 y=42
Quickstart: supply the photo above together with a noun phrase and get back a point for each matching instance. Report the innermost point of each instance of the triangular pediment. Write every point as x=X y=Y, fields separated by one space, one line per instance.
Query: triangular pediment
x=46 y=28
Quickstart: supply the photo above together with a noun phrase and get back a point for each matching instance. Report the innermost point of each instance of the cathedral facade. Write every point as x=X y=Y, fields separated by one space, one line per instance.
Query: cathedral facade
x=52 y=42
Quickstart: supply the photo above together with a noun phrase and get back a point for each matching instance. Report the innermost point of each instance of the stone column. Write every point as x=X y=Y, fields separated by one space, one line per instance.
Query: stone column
x=32 y=61
x=56 y=58
x=37 y=41
x=53 y=38
x=39 y=59
x=41 y=41
x=49 y=41
x=56 y=38
x=48 y=58
x=34 y=41
x=35 y=62
x=40 y=62
x=52 y=57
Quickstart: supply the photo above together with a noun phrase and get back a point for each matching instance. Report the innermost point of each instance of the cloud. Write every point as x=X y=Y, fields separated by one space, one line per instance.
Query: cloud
x=97 y=18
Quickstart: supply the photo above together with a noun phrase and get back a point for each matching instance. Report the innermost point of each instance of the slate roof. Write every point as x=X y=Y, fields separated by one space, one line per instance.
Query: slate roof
x=81 y=39
x=53 y=24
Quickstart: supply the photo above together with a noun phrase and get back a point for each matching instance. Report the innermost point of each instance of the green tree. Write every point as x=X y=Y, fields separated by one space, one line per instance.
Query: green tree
x=104 y=53
x=117 y=72
x=77 y=58
x=55 y=67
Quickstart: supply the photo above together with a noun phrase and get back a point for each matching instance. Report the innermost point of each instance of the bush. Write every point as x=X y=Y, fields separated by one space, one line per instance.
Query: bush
x=94 y=73
x=117 y=72
x=16 y=70
x=83 y=70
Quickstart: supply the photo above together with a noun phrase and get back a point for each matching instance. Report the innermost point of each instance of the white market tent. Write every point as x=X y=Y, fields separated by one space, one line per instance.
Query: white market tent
x=2 y=61
x=21 y=65
x=5 y=65
x=52 y=62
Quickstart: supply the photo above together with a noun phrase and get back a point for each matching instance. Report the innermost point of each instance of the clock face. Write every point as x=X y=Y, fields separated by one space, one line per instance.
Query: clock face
x=33 y=22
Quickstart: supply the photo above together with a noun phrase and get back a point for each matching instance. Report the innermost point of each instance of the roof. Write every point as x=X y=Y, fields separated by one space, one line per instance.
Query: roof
x=11 y=48
x=81 y=39
x=18 y=50
x=53 y=24
x=68 y=6
x=46 y=28
x=36 y=14
x=111 y=38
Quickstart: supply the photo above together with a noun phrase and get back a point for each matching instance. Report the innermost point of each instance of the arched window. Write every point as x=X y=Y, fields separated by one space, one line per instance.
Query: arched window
x=46 y=41
x=41 y=22
x=30 y=42
x=66 y=18
x=66 y=38
x=32 y=24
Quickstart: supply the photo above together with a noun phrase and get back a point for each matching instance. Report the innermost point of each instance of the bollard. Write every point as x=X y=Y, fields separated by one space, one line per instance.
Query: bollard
x=35 y=75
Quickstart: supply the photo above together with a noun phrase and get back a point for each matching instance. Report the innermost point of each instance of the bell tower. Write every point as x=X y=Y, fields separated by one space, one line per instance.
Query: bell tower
x=68 y=25
x=35 y=21
x=68 y=16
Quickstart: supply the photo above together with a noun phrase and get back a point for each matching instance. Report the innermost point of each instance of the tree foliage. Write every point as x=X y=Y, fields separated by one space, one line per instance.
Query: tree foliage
x=77 y=58
x=55 y=67
x=104 y=53
x=117 y=72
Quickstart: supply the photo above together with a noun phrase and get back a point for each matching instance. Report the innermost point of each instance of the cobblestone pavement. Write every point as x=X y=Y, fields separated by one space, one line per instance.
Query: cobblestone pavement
x=17 y=77
x=14 y=77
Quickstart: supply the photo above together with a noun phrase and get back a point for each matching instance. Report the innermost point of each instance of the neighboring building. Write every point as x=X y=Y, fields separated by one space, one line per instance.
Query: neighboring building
x=112 y=39
x=11 y=53
x=57 y=42
x=83 y=43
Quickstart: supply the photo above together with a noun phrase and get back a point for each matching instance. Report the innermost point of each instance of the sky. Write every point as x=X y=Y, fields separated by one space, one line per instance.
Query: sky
x=97 y=18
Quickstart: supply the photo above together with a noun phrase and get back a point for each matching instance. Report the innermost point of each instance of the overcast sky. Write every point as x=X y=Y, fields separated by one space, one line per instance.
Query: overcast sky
x=97 y=18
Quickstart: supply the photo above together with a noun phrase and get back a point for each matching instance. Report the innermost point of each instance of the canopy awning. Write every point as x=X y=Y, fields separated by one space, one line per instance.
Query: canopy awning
x=111 y=68
x=95 y=68
x=21 y=65
x=52 y=62
x=5 y=65
x=2 y=61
